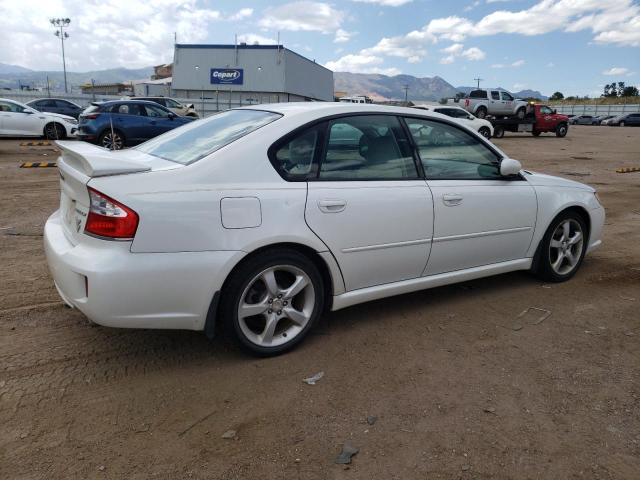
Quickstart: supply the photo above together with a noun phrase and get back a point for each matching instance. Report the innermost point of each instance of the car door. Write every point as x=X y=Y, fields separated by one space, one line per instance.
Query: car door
x=506 y=103
x=132 y=121
x=18 y=120
x=366 y=201
x=495 y=103
x=159 y=120
x=480 y=217
x=633 y=119
x=545 y=120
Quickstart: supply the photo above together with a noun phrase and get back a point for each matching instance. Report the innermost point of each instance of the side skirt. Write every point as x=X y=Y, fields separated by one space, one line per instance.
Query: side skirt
x=422 y=283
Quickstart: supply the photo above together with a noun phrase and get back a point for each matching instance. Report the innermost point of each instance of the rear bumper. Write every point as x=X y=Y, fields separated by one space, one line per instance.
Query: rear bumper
x=117 y=288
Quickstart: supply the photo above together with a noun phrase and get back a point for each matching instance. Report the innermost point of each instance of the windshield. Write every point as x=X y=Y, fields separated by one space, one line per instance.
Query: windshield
x=196 y=140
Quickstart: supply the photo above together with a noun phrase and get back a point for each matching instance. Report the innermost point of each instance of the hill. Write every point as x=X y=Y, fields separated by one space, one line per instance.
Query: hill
x=383 y=87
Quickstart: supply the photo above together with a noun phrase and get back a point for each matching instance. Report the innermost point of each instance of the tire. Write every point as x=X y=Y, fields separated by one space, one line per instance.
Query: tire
x=535 y=133
x=481 y=113
x=116 y=143
x=621 y=124
x=54 y=131
x=498 y=132
x=485 y=132
x=521 y=113
x=273 y=322
x=560 y=253
x=561 y=130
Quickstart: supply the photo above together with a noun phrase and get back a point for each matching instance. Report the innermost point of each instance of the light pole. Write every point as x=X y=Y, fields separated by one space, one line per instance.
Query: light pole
x=197 y=67
x=61 y=24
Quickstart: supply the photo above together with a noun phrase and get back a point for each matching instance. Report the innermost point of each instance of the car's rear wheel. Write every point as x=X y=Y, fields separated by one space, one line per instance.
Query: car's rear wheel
x=481 y=112
x=562 y=248
x=498 y=132
x=561 y=130
x=485 y=132
x=112 y=140
x=271 y=301
x=54 y=131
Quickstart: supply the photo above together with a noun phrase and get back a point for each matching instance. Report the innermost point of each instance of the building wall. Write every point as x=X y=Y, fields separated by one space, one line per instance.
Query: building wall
x=269 y=73
x=307 y=78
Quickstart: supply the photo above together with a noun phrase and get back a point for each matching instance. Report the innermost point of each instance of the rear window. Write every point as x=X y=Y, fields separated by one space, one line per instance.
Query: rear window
x=198 y=139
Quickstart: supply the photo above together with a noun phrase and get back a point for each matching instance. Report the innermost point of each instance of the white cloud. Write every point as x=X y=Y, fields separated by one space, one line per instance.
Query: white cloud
x=385 y=3
x=410 y=46
x=303 y=16
x=497 y=65
x=517 y=63
x=470 y=7
x=252 y=38
x=342 y=36
x=360 y=64
x=241 y=14
x=551 y=64
x=102 y=35
x=457 y=50
x=616 y=71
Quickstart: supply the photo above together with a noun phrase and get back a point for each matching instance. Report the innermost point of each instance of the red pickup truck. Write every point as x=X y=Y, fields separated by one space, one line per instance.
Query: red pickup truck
x=538 y=119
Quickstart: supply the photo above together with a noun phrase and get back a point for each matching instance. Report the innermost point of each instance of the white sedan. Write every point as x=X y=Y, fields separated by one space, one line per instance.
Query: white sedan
x=480 y=125
x=262 y=218
x=20 y=120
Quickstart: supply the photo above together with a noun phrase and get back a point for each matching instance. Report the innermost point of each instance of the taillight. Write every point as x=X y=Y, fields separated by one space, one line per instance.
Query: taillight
x=109 y=218
x=90 y=116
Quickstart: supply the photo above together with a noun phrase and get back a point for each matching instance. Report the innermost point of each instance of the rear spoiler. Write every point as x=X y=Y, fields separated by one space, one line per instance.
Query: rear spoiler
x=96 y=161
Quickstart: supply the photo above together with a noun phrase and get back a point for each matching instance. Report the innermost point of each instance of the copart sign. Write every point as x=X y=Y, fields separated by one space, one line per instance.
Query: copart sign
x=227 y=76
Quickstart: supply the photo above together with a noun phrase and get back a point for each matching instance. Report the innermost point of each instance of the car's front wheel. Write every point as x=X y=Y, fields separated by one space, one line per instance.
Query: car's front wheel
x=561 y=130
x=271 y=301
x=54 y=131
x=562 y=248
x=485 y=132
x=521 y=113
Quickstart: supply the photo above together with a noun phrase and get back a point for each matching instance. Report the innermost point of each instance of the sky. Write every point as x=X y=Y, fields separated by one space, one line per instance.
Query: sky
x=572 y=46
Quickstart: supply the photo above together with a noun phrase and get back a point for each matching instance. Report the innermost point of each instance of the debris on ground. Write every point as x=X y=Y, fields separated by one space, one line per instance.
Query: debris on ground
x=371 y=419
x=627 y=170
x=540 y=315
x=347 y=452
x=101 y=468
x=465 y=468
x=313 y=379
x=229 y=435
x=624 y=297
x=489 y=410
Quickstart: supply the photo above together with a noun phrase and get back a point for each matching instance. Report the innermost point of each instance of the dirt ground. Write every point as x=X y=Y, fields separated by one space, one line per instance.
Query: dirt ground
x=458 y=389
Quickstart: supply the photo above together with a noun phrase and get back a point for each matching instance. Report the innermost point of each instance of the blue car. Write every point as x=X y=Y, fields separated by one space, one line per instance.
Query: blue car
x=119 y=123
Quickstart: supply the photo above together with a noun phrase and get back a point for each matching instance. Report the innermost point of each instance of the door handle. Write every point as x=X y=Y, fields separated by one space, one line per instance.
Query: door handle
x=332 y=206
x=452 y=199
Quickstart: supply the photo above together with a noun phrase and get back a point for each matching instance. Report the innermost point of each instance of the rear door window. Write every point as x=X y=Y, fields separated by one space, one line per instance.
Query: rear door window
x=495 y=95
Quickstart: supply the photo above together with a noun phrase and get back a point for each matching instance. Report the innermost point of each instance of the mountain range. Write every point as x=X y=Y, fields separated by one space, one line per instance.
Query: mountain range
x=377 y=86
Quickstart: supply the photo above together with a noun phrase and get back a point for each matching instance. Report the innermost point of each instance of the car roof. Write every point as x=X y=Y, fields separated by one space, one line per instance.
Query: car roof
x=114 y=102
x=322 y=109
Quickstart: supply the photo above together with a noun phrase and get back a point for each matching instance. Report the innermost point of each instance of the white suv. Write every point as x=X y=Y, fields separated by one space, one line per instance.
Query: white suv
x=173 y=105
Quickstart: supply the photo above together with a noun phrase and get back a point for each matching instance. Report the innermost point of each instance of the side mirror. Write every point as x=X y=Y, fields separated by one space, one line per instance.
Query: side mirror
x=555 y=112
x=509 y=167
x=172 y=116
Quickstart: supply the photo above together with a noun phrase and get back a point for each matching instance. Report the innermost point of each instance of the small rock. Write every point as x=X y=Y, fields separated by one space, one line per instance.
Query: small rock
x=24 y=435
x=465 y=468
x=371 y=419
x=101 y=468
x=347 y=452
x=229 y=435
x=490 y=410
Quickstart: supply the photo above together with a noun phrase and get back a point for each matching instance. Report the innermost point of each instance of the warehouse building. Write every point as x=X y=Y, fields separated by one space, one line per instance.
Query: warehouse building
x=234 y=75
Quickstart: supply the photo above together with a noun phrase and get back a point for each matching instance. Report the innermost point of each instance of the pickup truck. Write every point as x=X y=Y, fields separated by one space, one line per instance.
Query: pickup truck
x=498 y=103
x=537 y=119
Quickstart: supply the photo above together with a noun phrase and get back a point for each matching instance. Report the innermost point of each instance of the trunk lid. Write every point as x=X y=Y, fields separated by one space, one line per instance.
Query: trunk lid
x=79 y=162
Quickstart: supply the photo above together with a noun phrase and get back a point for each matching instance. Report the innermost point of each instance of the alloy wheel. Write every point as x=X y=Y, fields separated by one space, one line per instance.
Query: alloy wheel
x=276 y=305
x=112 y=141
x=565 y=247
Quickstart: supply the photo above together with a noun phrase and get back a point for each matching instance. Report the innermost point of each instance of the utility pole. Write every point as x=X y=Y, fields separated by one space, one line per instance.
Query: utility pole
x=478 y=80
x=406 y=94
x=60 y=24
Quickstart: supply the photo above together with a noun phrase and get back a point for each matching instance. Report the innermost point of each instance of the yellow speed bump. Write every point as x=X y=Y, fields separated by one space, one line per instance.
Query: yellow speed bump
x=35 y=144
x=38 y=164
x=628 y=170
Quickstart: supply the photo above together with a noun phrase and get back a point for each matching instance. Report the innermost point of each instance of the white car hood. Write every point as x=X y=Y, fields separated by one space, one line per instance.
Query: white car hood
x=542 y=180
x=58 y=115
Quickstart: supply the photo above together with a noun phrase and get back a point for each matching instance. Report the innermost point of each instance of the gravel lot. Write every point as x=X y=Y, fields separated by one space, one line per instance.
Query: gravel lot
x=458 y=389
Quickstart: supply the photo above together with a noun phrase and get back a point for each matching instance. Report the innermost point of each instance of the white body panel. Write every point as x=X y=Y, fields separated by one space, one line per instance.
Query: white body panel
x=376 y=238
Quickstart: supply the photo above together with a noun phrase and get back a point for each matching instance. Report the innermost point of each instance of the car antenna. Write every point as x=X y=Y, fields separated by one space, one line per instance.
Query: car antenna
x=113 y=140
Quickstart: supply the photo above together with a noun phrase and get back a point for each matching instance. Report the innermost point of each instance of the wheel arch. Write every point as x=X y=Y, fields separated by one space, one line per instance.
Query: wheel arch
x=332 y=280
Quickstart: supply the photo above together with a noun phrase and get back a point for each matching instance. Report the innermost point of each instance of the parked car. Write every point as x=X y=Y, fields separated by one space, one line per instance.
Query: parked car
x=118 y=123
x=483 y=127
x=176 y=107
x=582 y=120
x=56 y=105
x=601 y=118
x=625 y=120
x=20 y=120
x=499 y=103
x=539 y=119
x=257 y=219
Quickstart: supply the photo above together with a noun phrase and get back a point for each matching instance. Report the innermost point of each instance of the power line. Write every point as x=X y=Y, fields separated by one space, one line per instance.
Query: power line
x=406 y=93
x=60 y=24
x=478 y=80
